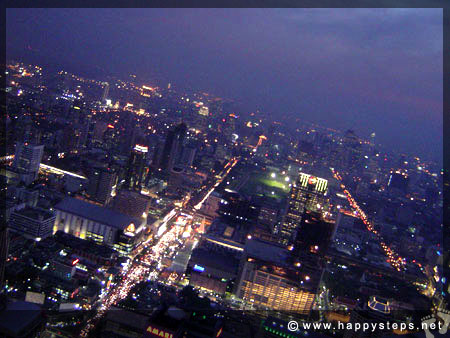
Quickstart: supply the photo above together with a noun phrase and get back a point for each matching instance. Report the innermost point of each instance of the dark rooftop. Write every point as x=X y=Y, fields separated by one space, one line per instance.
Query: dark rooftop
x=266 y=251
x=18 y=318
x=215 y=260
x=34 y=213
x=96 y=213
x=132 y=319
x=83 y=245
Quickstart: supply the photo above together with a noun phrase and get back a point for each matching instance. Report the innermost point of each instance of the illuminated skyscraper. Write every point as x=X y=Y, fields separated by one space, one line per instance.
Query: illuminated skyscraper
x=136 y=170
x=307 y=193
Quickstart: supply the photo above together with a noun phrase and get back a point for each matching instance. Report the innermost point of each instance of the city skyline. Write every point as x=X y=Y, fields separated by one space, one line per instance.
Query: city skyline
x=383 y=77
x=226 y=173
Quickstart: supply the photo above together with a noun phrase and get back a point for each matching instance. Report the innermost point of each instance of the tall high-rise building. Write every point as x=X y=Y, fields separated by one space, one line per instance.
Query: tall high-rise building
x=105 y=91
x=187 y=156
x=372 y=139
x=229 y=125
x=3 y=232
x=172 y=147
x=27 y=161
x=352 y=151
x=101 y=181
x=136 y=169
x=305 y=151
x=314 y=234
x=3 y=251
x=307 y=193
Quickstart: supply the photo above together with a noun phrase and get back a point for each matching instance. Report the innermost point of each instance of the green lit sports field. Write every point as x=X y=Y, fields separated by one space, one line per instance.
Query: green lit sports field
x=261 y=183
x=273 y=183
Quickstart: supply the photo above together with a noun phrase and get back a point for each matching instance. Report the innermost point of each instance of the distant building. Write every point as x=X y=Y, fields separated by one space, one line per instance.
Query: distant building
x=352 y=154
x=237 y=208
x=347 y=238
x=105 y=92
x=88 y=221
x=398 y=181
x=167 y=323
x=211 y=205
x=27 y=160
x=32 y=222
x=29 y=196
x=222 y=237
x=87 y=250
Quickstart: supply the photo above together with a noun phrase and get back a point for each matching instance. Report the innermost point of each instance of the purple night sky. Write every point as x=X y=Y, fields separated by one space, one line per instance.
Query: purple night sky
x=373 y=70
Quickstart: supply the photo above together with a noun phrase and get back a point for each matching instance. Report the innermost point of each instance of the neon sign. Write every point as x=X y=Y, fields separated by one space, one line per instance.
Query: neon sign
x=159 y=333
x=199 y=268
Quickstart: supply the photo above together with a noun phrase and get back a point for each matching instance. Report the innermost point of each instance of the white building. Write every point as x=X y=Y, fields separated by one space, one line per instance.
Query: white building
x=32 y=222
x=105 y=226
x=27 y=160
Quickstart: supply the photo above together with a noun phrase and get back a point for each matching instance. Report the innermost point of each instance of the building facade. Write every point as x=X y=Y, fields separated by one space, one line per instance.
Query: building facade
x=32 y=222
x=308 y=193
x=105 y=226
x=270 y=278
x=27 y=160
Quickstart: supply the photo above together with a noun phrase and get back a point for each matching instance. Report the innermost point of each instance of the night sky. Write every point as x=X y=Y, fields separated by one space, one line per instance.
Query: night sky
x=373 y=70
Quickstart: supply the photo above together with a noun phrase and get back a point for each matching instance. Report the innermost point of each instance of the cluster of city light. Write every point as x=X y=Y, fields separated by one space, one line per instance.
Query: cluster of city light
x=229 y=166
x=393 y=258
x=138 y=271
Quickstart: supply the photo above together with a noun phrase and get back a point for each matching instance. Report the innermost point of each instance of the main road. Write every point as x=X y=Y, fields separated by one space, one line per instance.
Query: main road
x=139 y=269
x=397 y=262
